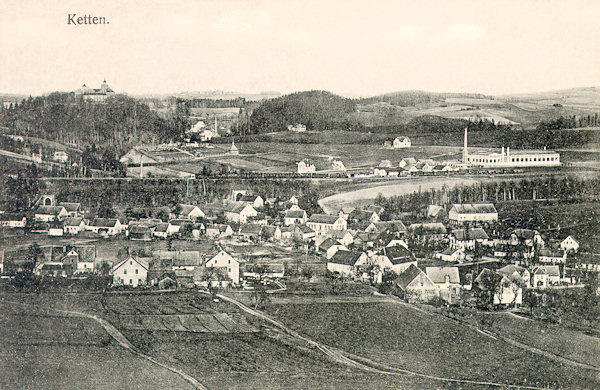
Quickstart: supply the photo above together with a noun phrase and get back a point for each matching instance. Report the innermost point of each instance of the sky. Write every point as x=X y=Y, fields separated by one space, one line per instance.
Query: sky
x=348 y=47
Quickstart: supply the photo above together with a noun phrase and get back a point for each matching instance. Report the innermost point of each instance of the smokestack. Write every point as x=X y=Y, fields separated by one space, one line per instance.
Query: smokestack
x=465 y=149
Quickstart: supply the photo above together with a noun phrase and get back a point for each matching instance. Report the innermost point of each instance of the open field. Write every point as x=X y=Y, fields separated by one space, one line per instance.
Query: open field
x=47 y=351
x=402 y=337
x=77 y=353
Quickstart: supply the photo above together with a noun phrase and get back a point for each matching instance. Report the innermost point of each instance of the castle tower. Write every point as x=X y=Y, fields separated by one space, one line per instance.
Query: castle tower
x=465 y=150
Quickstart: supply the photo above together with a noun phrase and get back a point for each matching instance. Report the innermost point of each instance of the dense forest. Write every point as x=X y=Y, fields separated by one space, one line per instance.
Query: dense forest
x=571 y=122
x=318 y=110
x=119 y=122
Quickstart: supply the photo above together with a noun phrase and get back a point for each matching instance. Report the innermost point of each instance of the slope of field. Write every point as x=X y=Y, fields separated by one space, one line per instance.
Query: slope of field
x=405 y=338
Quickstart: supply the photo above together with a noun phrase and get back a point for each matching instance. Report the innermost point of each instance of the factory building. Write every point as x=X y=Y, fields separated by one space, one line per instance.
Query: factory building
x=510 y=159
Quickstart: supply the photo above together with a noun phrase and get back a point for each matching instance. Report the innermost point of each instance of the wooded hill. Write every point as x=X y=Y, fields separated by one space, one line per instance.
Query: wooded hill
x=120 y=121
x=317 y=110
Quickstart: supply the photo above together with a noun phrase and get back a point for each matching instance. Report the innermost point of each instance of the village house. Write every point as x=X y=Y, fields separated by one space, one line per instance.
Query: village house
x=250 y=232
x=407 y=162
x=447 y=280
x=305 y=166
x=415 y=286
x=344 y=237
x=74 y=225
x=140 y=231
x=60 y=156
x=80 y=260
x=72 y=208
x=552 y=256
x=396 y=227
x=50 y=213
x=240 y=212
x=476 y=213
x=161 y=230
x=342 y=263
x=293 y=200
x=330 y=247
x=106 y=226
x=569 y=244
x=130 y=272
x=467 y=238
x=322 y=223
x=218 y=231
x=508 y=292
x=303 y=232
x=363 y=218
x=428 y=232
x=528 y=237
x=12 y=220
x=227 y=262
x=191 y=212
x=517 y=273
x=295 y=216
x=452 y=254
x=546 y=276
x=434 y=212
x=53 y=269
x=271 y=233
x=401 y=143
x=255 y=200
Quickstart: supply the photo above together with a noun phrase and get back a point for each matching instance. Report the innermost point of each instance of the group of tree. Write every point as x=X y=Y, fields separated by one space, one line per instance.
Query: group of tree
x=570 y=122
x=317 y=110
x=414 y=98
x=567 y=188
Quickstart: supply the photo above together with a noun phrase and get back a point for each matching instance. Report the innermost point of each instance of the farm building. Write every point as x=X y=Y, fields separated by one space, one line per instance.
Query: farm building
x=50 y=213
x=305 y=166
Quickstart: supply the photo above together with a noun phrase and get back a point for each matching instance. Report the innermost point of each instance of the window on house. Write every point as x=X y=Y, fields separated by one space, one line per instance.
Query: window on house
x=124 y=272
x=136 y=271
x=130 y=281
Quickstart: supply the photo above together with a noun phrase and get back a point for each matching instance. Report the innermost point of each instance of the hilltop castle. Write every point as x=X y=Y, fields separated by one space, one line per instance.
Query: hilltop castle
x=95 y=94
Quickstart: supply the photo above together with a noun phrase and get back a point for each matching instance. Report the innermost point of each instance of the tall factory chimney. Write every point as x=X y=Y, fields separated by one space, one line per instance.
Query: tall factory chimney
x=465 y=150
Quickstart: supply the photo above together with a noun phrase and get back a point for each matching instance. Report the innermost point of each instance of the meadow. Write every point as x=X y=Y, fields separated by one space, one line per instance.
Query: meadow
x=400 y=336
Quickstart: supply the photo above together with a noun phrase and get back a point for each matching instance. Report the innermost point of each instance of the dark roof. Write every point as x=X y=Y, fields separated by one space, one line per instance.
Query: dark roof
x=471 y=234
x=327 y=243
x=295 y=214
x=323 y=218
x=345 y=257
x=525 y=234
x=50 y=210
x=186 y=209
x=408 y=276
x=11 y=217
x=162 y=227
x=250 y=228
x=73 y=221
x=398 y=254
x=104 y=222
x=70 y=206
x=428 y=228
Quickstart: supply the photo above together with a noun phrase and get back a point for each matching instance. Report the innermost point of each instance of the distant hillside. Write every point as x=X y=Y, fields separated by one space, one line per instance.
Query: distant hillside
x=413 y=98
x=318 y=110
